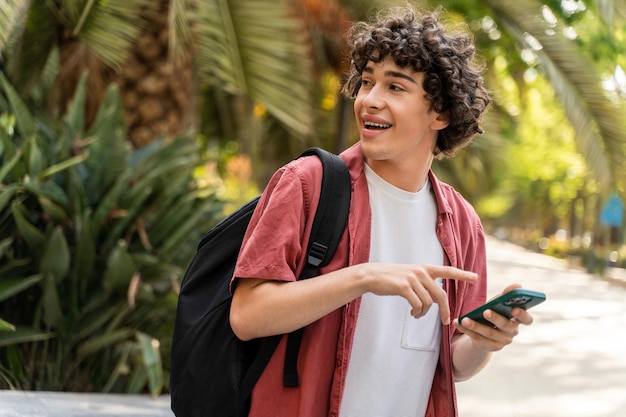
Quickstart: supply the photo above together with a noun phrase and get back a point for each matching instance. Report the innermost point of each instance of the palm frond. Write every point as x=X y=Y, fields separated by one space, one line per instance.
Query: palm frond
x=254 y=47
x=12 y=15
x=30 y=44
x=108 y=28
x=179 y=22
x=598 y=122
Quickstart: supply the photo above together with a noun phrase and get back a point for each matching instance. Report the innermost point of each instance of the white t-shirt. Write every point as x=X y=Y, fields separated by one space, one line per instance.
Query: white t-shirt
x=394 y=355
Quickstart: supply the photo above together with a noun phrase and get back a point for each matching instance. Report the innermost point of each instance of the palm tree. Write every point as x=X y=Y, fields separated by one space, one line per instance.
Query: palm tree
x=245 y=48
x=598 y=122
x=538 y=27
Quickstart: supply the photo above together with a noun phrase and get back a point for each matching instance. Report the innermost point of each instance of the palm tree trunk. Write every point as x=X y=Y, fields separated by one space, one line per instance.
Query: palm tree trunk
x=156 y=90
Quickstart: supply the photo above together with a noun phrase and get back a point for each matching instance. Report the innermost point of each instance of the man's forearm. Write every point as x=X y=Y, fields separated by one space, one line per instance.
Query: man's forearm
x=467 y=358
x=264 y=308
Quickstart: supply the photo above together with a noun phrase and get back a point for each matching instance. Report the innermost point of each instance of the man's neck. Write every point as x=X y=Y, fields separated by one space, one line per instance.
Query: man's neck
x=409 y=176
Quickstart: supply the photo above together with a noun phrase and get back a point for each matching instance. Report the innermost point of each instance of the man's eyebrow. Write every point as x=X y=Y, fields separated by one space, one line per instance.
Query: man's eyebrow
x=396 y=74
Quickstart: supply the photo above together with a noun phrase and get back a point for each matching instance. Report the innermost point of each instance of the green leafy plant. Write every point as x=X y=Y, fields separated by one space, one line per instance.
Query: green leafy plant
x=94 y=238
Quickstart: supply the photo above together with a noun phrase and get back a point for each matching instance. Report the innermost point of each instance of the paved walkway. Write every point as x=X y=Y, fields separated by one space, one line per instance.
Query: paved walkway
x=53 y=404
x=570 y=363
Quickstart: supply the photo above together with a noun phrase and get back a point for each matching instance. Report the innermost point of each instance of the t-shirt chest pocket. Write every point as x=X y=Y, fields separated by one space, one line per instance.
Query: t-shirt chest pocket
x=423 y=333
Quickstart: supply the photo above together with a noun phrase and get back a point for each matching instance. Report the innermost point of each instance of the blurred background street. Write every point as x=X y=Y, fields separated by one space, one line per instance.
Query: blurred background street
x=571 y=362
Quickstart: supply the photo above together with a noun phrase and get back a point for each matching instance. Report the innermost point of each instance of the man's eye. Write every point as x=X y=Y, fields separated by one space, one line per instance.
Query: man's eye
x=396 y=88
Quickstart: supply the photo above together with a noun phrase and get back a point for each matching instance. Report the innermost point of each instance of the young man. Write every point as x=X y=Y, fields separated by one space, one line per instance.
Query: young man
x=382 y=337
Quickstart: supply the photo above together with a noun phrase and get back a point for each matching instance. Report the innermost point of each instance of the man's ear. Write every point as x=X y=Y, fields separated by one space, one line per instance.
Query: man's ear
x=440 y=122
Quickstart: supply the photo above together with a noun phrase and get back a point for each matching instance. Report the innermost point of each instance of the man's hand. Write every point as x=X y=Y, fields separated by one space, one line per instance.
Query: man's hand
x=471 y=351
x=503 y=331
x=416 y=283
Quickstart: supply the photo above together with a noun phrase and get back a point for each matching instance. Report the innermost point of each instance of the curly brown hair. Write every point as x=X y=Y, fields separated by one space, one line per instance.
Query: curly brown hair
x=452 y=79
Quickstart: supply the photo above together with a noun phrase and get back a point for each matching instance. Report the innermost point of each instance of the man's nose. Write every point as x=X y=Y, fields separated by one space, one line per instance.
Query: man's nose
x=374 y=98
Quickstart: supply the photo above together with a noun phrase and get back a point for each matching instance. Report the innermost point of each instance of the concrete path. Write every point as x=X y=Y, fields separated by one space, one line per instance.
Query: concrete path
x=54 y=404
x=571 y=362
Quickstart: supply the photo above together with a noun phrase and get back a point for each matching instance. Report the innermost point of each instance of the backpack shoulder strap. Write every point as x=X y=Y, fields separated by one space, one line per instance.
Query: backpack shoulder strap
x=332 y=212
x=328 y=225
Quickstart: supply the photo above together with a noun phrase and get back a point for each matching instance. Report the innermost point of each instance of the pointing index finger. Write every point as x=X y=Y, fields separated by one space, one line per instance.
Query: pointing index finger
x=451 y=272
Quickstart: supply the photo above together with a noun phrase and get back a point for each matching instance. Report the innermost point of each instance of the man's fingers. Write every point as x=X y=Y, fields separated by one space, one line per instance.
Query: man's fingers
x=522 y=316
x=422 y=301
x=441 y=298
x=427 y=291
x=450 y=272
x=438 y=295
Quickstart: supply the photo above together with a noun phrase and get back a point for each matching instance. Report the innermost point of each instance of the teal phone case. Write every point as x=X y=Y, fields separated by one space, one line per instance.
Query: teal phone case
x=503 y=305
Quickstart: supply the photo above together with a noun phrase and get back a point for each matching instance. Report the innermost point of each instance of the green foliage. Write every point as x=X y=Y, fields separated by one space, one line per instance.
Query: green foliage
x=574 y=77
x=107 y=28
x=545 y=175
x=94 y=238
x=256 y=48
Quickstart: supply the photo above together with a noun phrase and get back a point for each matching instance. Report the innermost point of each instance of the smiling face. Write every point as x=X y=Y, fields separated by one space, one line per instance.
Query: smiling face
x=397 y=127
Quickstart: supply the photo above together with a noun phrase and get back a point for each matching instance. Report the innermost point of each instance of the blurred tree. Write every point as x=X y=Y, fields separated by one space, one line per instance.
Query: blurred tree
x=236 y=70
x=241 y=48
x=526 y=39
x=549 y=43
x=578 y=48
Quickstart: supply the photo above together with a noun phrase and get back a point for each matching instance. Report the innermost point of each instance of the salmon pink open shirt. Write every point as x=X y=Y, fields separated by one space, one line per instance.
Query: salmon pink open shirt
x=273 y=249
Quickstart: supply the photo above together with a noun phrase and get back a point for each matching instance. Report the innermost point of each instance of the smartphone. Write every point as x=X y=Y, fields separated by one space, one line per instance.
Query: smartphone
x=503 y=305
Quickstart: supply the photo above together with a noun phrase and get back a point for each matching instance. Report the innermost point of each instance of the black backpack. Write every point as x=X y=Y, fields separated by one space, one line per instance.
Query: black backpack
x=212 y=371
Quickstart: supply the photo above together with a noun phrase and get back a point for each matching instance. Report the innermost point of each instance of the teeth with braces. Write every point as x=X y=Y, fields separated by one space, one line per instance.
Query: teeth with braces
x=378 y=125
